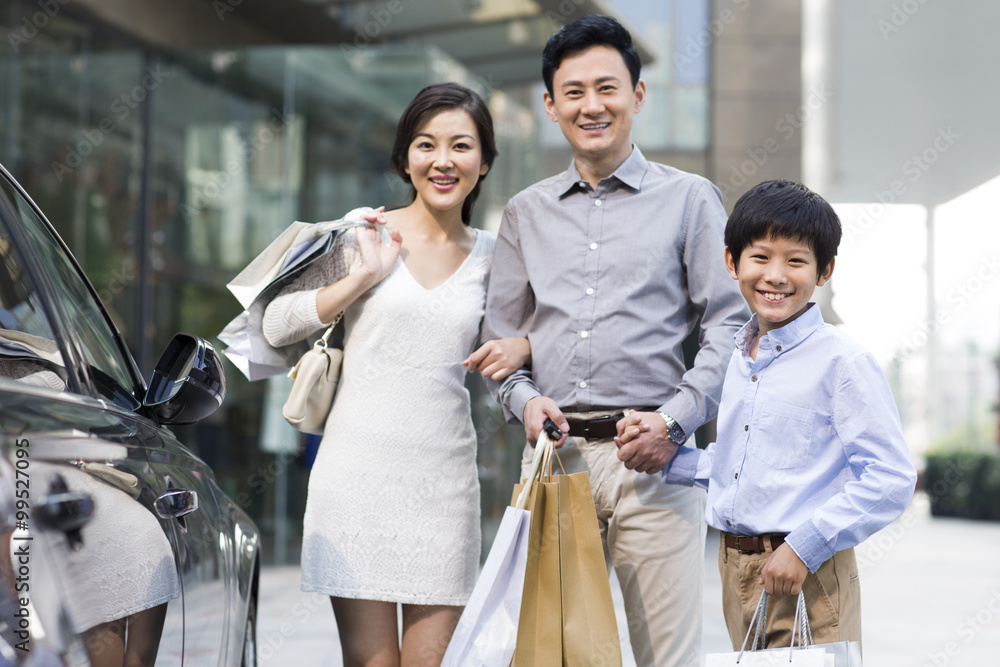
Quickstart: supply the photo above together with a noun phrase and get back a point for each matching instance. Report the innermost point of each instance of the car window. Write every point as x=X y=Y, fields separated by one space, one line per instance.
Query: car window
x=24 y=315
x=28 y=350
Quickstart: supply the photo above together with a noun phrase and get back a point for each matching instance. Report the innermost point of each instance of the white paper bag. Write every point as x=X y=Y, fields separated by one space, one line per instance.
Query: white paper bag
x=487 y=630
x=802 y=653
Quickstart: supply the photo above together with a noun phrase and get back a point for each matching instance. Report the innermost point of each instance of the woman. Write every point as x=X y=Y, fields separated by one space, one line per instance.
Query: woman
x=392 y=514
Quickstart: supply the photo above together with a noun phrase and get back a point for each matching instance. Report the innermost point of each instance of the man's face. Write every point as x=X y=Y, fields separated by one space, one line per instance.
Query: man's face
x=594 y=102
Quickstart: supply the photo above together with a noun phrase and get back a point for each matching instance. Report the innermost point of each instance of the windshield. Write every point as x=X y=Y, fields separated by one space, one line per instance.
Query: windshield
x=27 y=333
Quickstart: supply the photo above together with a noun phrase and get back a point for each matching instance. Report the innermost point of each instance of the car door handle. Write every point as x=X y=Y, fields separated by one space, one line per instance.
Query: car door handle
x=176 y=503
x=64 y=510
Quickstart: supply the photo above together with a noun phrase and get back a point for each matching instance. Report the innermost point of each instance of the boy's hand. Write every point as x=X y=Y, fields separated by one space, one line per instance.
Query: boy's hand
x=643 y=444
x=783 y=572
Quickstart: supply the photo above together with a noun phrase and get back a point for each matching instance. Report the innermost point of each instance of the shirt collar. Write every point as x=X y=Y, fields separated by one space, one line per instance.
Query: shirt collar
x=630 y=172
x=783 y=338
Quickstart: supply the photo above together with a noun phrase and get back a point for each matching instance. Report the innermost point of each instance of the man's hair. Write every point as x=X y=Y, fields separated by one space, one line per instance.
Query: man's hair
x=583 y=33
x=784 y=209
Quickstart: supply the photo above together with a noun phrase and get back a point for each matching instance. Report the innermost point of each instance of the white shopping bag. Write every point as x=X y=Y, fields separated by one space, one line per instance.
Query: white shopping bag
x=802 y=652
x=772 y=657
x=487 y=630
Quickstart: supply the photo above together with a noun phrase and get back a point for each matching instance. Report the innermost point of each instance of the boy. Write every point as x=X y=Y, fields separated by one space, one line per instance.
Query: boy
x=810 y=459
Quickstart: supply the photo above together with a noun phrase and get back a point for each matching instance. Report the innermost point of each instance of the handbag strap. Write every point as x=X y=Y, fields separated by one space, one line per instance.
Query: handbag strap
x=325 y=338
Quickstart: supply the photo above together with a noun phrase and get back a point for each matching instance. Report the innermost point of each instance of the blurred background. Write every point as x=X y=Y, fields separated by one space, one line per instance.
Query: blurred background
x=170 y=142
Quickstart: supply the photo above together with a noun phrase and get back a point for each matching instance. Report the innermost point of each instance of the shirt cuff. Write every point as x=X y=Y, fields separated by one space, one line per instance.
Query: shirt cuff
x=683 y=468
x=685 y=413
x=520 y=394
x=809 y=545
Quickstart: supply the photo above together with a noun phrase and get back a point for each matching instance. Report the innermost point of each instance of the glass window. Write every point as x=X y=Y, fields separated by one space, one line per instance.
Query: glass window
x=28 y=350
x=108 y=366
x=71 y=131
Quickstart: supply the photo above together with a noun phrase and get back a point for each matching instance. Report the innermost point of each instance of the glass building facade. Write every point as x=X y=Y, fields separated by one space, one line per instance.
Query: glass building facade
x=166 y=173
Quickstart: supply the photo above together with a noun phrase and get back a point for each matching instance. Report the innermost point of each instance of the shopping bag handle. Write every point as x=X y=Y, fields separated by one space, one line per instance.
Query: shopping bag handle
x=543 y=453
x=801 y=632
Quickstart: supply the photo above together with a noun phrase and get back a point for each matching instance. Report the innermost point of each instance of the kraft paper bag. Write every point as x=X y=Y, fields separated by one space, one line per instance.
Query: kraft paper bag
x=567 y=615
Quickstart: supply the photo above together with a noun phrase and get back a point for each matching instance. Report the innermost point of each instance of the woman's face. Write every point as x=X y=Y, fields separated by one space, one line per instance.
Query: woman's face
x=445 y=160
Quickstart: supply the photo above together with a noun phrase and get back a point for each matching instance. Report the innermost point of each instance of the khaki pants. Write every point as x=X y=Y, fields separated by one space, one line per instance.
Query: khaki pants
x=833 y=599
x=654 y=536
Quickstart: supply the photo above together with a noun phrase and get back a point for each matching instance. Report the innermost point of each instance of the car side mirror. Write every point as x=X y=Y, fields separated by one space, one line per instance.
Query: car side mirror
x=188 y=382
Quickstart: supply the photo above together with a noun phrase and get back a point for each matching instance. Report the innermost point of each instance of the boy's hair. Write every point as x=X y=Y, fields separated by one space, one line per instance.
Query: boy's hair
x=784 y=209
x=583 y=33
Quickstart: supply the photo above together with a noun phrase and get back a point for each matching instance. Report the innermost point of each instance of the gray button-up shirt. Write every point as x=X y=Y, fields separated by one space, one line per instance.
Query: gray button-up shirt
x=606 y=283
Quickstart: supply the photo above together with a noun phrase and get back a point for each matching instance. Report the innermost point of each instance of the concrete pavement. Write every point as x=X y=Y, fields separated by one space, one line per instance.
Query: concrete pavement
x=930 y=598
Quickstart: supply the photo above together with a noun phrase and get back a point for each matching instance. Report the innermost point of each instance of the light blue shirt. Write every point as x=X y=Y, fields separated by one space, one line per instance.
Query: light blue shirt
x=809 y=443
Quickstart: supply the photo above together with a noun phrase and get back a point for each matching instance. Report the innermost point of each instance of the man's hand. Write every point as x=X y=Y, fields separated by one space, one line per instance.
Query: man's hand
x=643 y=444
x=783 y=572
x=536 y=411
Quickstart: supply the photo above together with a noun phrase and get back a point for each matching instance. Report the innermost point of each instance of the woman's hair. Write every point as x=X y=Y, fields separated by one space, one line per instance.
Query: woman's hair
x=429 y=102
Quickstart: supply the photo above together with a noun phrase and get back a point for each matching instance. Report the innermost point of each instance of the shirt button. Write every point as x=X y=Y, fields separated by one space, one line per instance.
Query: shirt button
x=598 y=202
x=584 y=334
x=590 y=290
x=778 y=348
x=593 y=246
x=754 y=378
x=728 y=522
x=736 y=476
x=583 y=384
x=746 y=427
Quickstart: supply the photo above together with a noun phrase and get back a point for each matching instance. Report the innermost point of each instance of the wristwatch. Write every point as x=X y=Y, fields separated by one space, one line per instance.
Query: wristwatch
x=674 y=430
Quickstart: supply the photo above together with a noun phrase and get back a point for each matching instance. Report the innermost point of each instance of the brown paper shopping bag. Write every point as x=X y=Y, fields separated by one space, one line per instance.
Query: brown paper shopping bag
x=567 y=616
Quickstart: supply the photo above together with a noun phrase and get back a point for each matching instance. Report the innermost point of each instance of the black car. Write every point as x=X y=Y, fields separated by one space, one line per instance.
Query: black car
x=118 y=546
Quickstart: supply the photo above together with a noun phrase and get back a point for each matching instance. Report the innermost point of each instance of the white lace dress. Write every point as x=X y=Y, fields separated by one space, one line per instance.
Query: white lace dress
x=392 y=511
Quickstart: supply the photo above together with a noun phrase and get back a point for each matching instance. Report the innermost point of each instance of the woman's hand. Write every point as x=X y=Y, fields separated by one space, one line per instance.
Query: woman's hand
x=496 y=359
x=377 y=259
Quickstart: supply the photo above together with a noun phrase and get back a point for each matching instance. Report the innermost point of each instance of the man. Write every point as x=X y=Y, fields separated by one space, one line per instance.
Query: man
x=606 y=267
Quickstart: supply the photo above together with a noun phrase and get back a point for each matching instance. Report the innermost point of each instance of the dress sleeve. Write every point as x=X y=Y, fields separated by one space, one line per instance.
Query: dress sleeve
x=292 y=315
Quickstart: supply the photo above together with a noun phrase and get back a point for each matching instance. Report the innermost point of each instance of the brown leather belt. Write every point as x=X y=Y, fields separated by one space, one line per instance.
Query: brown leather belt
x=753 y=544
x=599 y=428
x=596 y=428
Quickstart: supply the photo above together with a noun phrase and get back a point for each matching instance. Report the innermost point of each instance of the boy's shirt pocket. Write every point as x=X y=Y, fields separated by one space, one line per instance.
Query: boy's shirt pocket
x=784 y=437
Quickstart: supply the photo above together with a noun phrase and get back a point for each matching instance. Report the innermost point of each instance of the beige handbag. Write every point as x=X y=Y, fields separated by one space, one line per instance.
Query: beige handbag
x=315 y=382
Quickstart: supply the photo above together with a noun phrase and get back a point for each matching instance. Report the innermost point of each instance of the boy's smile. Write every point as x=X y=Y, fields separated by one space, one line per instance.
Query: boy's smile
x=777 y=277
